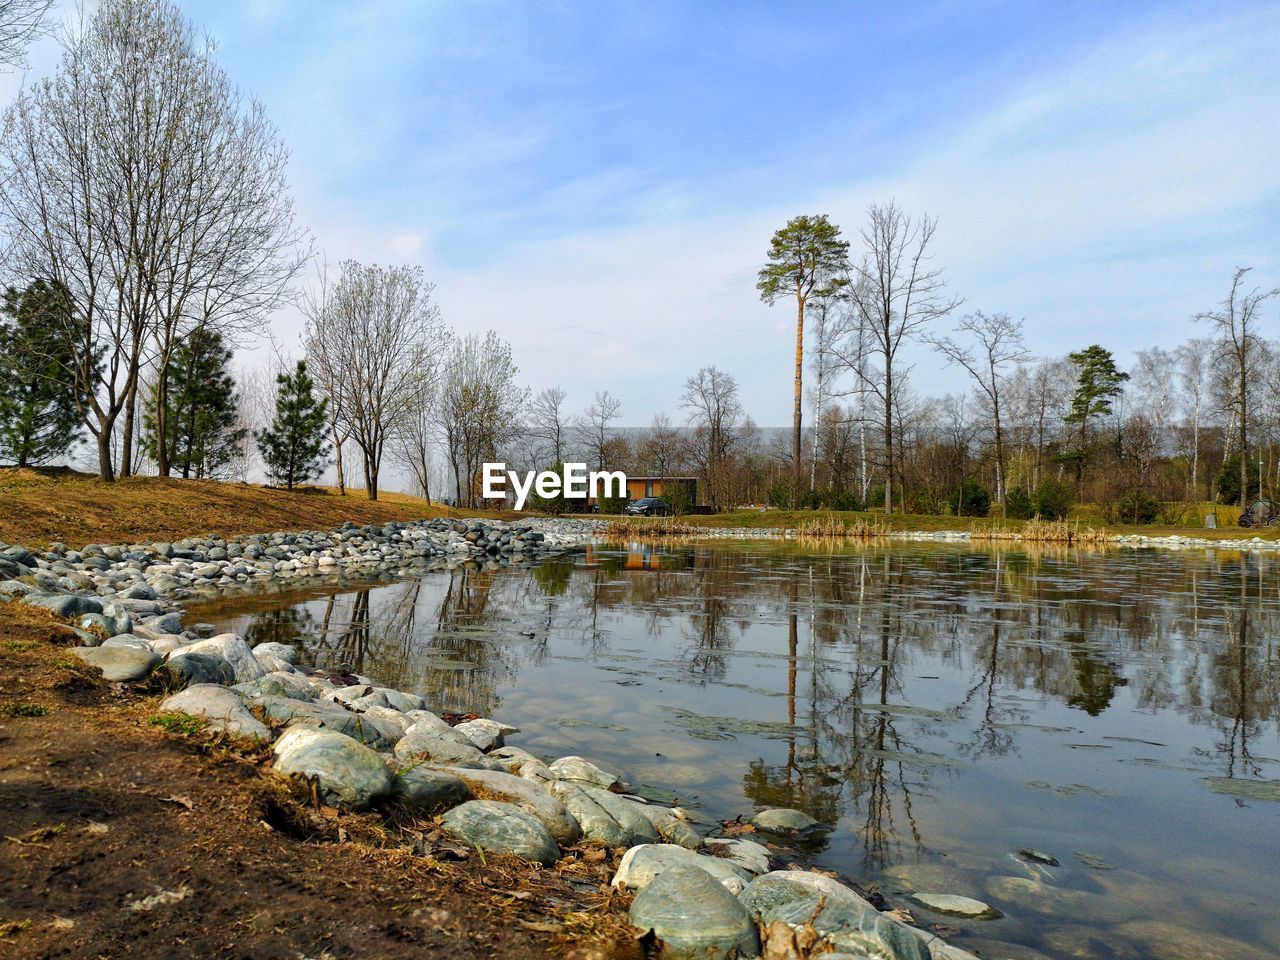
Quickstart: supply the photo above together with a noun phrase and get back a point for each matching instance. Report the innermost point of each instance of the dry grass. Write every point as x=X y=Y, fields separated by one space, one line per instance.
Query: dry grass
x=832 y=528
x=646 y=528
x=1043 y=531
x=38 y=507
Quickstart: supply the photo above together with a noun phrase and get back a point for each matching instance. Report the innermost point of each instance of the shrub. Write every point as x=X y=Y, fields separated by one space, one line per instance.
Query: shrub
x=553 y=505
x=677 y=497
x=613 y=504
x=834 y=499
x=1052 y=500
x=1229 y=480
x=971 y=499
x=1019 y=505
x=1137 y=507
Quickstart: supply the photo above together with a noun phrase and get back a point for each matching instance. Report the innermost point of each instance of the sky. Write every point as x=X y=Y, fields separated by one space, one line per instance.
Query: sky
x=598 y=181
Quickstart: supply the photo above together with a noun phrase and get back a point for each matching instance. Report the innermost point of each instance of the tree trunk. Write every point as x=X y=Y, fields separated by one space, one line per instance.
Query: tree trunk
x=126 y=447
x=797 y=415
x=337 y=446
x=106 y=469
x=1244 y=430
x=888 y=436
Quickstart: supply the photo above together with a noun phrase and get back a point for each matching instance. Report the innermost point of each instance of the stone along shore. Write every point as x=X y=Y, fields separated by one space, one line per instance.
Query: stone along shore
x=363 y=746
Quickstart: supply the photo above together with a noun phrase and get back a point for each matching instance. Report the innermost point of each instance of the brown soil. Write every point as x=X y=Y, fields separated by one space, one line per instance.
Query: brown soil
x=100 y=810
x=38 y=507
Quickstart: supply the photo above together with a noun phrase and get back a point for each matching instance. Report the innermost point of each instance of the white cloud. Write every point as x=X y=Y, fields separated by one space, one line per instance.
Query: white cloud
x=406 y=244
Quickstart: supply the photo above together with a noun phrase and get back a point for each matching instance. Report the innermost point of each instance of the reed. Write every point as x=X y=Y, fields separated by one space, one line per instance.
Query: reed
x=1044 y=531
x=831 y=528
x=631 y=528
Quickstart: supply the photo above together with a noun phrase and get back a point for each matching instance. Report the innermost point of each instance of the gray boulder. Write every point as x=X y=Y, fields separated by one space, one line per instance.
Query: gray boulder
x=836 y=912
x=232 y=648
x=695 y=917
x=526 y=795
x=427 y=790
x=348 y=774
x=221 y=708
x=119 y=664
x=578 y=770
x=485 y=734
x=165 y=623
x=187 y=669
x=501 y=828
x=281 y=651
x=68 y=605
x=604 y=816
x=443 y=747
x=783 y=819
x=278 y=684
x=751 y=856
x=327 y=716
x=640 y=865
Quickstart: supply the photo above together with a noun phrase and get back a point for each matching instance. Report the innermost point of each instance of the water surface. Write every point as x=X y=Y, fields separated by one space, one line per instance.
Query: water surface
x=940 y=706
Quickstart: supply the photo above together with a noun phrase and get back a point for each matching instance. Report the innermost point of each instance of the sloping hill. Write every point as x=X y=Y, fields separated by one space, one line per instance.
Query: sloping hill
x=38 y=507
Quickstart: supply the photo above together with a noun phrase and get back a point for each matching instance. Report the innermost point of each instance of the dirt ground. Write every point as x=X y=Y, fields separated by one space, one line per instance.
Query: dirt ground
x=124 y=838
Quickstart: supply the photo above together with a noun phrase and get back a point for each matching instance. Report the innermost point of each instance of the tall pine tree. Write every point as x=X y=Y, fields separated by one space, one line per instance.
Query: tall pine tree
x=294 y=447
x=201 y=405
x=39 y=417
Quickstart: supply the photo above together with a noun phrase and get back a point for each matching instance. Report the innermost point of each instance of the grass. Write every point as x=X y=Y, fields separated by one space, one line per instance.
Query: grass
x=179 y=723
x=1088 y=527
x=38 y=507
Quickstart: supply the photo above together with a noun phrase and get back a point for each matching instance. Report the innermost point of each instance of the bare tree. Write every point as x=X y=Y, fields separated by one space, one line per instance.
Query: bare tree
x=663 y=450
x=997 y=346
x=898 y=294
x=414 y=439
x=546 y=420
x=1235 y=324
x=380 y=334
x=478 y=407
x=715 y=413
x=594 y=429
x=136 y=179
x=22 y=22
x=1193 y=363
x=824 y=308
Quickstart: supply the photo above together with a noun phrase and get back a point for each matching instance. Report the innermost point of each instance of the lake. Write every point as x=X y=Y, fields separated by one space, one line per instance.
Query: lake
x=941 y=707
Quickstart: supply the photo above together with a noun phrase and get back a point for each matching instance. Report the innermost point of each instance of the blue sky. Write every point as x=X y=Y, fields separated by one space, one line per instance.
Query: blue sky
x=598 y=181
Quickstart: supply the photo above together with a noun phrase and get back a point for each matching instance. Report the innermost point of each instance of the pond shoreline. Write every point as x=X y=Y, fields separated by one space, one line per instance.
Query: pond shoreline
x=363 y=747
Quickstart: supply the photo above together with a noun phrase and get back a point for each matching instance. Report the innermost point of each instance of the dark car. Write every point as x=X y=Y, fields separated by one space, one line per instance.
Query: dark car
x=649 y=507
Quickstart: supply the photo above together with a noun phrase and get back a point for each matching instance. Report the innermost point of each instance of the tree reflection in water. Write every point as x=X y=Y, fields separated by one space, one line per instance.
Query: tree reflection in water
x=889 y=681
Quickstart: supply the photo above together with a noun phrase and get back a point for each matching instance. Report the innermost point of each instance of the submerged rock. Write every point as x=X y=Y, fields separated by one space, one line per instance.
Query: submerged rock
x=838 y=913
x=783 y=819
x=221 y=708
x=695 y=917
x=348 y=774
x=501 y=828
x=956 y=906
x=641 y=864
x=120 y=664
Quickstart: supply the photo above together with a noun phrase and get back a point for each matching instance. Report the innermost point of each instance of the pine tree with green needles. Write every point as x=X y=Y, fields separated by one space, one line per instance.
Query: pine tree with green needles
x=201 y=407
x=1097 y=384
x=39 y=416
x=295 y=446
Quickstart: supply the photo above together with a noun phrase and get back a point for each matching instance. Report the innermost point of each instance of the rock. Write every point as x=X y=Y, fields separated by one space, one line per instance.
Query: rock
x=501 y=828
x=1034 y=896
x=485 y=734
x=119 y=664
x=577 y=770
x=526 y=795
x=604 y=816
x=695 y=917
x=278 y=684
x=165 y=623
x=232 y=648
x=281 y=651
x=203 y=629
x=68 y=605
x=670 y=827
x=848 y=921
x=221 y=708
x=404 y=702
x=274 y=664
x=641 y=864
x=348 y=774
x=751 y=856
x=429 y=790
x=391 y=719
x=1165 y=940
x=442 y=747
x=127 y=640
x=187 y=669
x=956 y=906
x=327 y=716
x=783 y=819
x=1036 y=856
